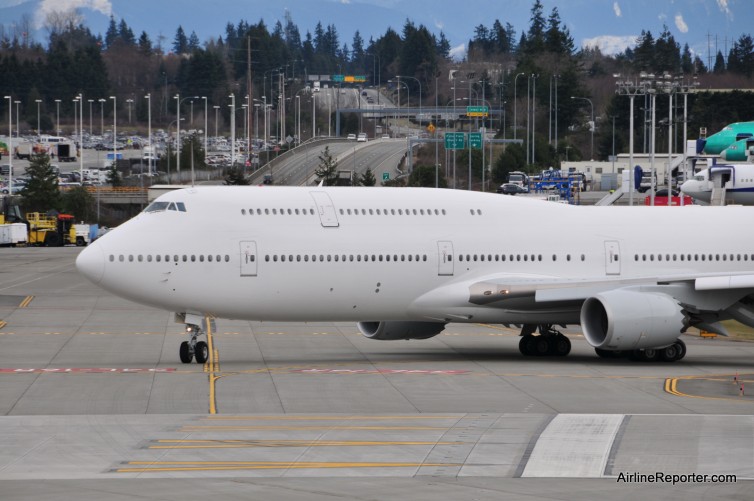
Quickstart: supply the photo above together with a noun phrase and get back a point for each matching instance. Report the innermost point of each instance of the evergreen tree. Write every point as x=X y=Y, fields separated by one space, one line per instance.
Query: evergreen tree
x=557 y=38
x=367 y=178
x=687 y=62
x=424 y=176
x=644 y=53
x=234 y=177
x=741 y=56
x=357 y=51
x=193 y=42
x=513 y=158
x=535 y=38
x=80 y=203
x=111 y=36
x=145 y=44
x=114 y=178
x=327 y=171
x=125 y=34
x=719 y=64
x=180 y=43
x=41 y=193
x=443 y=46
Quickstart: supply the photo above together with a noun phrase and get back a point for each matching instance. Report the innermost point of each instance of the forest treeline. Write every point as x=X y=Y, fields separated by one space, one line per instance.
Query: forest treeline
x=501 y=63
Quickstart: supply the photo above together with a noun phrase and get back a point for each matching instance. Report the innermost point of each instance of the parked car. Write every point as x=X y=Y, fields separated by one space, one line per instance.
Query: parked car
x=510 y=189
x=351 y=137
x=362 y=137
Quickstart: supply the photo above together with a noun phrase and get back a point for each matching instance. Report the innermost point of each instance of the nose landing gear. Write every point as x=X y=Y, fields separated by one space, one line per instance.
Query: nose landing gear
x=193 y=348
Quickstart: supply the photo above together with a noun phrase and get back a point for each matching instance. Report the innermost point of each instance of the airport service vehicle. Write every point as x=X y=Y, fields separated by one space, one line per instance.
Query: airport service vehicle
x=404 y=262
x=55 y=231
x=13 y=234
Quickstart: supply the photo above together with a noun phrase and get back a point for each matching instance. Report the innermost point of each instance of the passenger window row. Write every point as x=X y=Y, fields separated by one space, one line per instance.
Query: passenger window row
x=217 y=258
x=344 y=258
x=511 y=257
x=276 y=212
x=392 y=212
x=693 y=257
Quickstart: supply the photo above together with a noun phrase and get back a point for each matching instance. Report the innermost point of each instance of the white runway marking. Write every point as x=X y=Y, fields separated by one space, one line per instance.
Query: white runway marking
x=574 y=445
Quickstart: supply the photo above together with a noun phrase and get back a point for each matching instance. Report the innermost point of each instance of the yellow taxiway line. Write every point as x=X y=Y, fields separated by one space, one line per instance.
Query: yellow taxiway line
x=167 y=466
x=198 y=428
x=26 y=301
x=237 y=444
x=210 y=368
x=671 y=386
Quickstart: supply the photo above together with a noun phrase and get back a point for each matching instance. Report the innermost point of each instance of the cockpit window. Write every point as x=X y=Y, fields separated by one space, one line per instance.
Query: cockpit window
x=163 y=206
x=157 y=207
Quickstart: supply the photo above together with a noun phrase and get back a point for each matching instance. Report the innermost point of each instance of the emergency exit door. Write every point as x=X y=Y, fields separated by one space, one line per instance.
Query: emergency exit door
x=612 y=257
x=248 y=259
x=445 y=258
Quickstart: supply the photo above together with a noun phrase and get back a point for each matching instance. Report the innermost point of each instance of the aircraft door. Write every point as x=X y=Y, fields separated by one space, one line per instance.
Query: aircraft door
x=248 y=259
x=445 y=258
x=325 y=209
x=612 y=257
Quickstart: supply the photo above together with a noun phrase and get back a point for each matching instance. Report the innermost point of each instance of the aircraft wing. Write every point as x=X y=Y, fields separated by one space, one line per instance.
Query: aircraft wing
x=549 y=289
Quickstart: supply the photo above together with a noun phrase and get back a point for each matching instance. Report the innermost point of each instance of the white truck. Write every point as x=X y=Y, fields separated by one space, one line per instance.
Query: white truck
x=13 y=234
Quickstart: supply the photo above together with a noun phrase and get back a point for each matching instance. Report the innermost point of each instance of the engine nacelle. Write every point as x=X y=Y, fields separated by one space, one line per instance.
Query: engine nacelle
x=630 y=320
x=391 y=331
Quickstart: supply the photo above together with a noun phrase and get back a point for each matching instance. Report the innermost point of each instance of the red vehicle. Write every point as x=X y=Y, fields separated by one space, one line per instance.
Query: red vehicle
x=661 y=198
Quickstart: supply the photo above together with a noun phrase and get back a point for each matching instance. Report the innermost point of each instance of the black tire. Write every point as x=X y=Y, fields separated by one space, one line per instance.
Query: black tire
x=80 y=242
x=541 y=346
x=670 y=353
x=185 y=352
x=523 y=346
x=681 y=348
x=561 y=346
x=201 y=352
x=604 y=353
x=647 y=354
x=52 y=239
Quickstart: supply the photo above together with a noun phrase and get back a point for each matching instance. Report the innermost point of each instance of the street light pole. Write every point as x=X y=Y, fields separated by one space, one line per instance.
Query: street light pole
x=91 y=130
x=232 y=130
x=130 y=102
x=205 y=129
x=39 y=133
x=217 y=108
x=115 y=129
x=57 y=123
x=148 y=97
x=102 y=116
x=592 y=125
x=10 y=144
x=515 y=116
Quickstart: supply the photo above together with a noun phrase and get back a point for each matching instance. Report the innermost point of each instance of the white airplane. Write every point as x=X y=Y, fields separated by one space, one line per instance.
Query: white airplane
x=737 y=179
x=403 y=262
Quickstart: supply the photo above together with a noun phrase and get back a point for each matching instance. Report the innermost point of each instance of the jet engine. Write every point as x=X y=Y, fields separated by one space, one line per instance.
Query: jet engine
x=630 y=320
x=390 y=331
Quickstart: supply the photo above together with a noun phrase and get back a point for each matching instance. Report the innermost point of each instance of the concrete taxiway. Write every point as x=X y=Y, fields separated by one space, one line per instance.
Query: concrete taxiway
x=94 y=403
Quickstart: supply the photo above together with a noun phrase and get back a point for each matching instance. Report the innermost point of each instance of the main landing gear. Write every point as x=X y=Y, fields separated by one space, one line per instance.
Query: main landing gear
x=193 y=348
x=548 y=342
x=672 y=353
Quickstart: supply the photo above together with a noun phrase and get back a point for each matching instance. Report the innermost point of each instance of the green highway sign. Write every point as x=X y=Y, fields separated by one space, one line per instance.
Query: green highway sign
x=475 y=140
x=477 y=111
x=338 y=78
x=455 y=140
x=386 y=176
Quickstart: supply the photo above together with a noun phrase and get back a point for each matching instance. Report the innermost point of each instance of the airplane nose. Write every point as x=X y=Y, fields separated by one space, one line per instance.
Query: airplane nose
x=91 y=262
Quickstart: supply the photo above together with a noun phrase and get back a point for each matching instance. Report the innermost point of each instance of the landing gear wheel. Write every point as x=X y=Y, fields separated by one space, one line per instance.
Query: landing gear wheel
x=647 y=354
x=523 y=346
x=185 y=352
x=541 y=346
x=670 y=353
x=682 y=349
x=201 y=352
x=560 y=346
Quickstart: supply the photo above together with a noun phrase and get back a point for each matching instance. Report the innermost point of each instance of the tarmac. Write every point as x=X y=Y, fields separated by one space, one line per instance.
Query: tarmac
x=95 y=404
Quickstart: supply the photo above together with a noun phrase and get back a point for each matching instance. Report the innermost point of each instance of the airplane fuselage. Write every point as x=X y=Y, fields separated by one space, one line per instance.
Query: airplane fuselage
x=335 y=254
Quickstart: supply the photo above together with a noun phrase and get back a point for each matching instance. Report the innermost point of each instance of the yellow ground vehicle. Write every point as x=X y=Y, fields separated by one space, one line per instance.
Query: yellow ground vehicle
x=53 y=231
